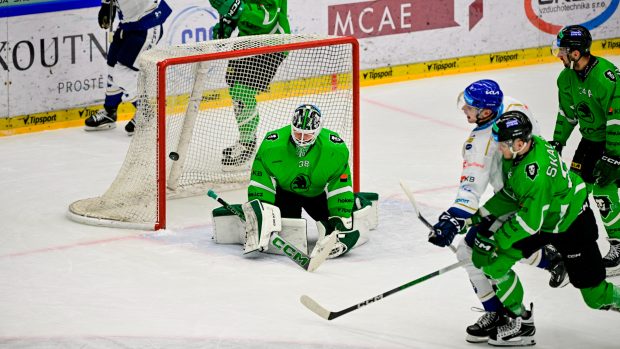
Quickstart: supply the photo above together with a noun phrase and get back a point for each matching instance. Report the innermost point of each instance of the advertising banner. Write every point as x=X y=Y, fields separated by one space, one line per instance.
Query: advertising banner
x=54 y=72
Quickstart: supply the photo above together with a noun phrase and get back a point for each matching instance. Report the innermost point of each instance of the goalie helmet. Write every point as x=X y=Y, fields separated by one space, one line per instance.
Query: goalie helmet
x=305 y=127
x=512 y=125
x=573 y=37
x=482 y=94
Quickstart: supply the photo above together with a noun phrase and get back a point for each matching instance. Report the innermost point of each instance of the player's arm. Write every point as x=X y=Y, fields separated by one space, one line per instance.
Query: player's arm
x=607 y=168
x=339 y=192
x=533 y=203
x=566 y=119
x=261 y=183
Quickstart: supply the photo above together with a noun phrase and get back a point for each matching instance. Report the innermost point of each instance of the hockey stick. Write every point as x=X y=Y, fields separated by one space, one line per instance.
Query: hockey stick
x=303 y=260
x=330 y=315
x=409 y=194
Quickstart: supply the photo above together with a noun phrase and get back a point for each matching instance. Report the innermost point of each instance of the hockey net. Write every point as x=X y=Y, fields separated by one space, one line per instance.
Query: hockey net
x=185 y=108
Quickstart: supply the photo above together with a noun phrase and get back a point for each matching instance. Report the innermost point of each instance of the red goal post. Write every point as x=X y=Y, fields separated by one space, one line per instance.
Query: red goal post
x=185 y=106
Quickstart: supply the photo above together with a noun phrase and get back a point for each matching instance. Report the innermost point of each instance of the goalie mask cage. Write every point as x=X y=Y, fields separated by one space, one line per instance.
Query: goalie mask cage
x=185 y=107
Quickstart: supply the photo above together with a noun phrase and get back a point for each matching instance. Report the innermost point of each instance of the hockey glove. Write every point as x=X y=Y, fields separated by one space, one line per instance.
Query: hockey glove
x=107 y=12
x=557 y=145
x=230 y=12
x=347 y=238
x=484 y=251
x=606 y=170
x=444 y=231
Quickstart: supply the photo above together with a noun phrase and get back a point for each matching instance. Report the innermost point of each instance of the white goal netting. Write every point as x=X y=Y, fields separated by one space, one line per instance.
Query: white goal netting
x=208 y=103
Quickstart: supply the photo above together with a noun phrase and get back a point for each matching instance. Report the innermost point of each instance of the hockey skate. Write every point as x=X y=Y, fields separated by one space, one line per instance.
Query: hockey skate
x=611 y=261
x=482 y=329
x=556 y=268
x=517 y=332
x=238 y=154
x=130 y=127
x=105 y=119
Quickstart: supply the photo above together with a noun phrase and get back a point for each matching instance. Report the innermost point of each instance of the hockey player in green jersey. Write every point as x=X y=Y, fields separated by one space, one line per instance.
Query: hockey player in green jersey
x=548 y=205
x=304 y=165
x=589 y=95
x=249 y=76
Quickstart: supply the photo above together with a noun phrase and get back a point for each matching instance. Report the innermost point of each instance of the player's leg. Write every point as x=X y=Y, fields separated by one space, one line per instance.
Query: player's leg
x=584 y=263
x=608 y=203
x=518 y=328
x=493 y=309
x=247 y=77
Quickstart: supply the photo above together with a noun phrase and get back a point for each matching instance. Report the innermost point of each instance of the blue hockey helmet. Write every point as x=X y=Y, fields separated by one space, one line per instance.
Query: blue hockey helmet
x=483 y=94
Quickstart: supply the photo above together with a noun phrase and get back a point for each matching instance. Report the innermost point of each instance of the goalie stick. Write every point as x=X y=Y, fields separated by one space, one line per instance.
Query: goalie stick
x=414 y=203
x=316 y=308
x=303 y=260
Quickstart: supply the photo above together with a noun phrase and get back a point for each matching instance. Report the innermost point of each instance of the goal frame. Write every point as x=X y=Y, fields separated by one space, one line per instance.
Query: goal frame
x=161 y=218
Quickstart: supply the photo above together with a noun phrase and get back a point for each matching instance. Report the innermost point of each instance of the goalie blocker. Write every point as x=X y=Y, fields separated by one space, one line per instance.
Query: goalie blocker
x=261 y=217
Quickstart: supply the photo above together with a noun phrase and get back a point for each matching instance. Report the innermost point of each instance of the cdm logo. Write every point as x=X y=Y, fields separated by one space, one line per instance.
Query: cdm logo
x=190 y=25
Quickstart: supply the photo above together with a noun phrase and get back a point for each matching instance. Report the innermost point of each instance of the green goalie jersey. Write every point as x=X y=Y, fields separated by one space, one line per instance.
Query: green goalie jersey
x=539 y=188
x=325 y=168
x=592 y=99
x=264 y=17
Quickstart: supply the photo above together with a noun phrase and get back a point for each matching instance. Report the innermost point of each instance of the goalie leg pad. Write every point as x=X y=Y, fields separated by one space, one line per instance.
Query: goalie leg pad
x=293 y=231
x=261 y=219
x=227 y=227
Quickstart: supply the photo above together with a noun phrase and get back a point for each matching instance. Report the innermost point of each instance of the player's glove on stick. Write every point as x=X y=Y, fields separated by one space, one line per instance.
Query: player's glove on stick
x=484 y=251
x=557 y=145
x=445 y=229
x=230 y=12
x=106 y=15
x=606 y=170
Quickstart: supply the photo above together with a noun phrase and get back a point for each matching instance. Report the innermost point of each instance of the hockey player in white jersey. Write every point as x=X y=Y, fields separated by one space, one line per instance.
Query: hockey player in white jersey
x=483 y=102
x=140 y=29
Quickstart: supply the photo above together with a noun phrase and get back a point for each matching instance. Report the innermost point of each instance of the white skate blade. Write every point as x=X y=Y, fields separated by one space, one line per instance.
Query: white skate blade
x=103 y=127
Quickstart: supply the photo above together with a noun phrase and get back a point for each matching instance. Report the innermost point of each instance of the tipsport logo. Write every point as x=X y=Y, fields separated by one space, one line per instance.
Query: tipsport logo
x=550 y=16
x=191 y=25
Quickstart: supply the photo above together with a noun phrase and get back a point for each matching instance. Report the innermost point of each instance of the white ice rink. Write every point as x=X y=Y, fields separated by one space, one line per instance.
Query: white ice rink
x=67 y=285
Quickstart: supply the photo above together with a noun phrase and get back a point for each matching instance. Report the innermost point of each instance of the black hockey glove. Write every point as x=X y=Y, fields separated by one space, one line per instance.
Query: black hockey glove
x=445 y=229
x=107 y=12
x=606 y=170
x=557 y=145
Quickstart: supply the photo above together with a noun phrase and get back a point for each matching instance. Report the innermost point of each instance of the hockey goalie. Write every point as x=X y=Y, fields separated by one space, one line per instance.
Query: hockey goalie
x=300 y=166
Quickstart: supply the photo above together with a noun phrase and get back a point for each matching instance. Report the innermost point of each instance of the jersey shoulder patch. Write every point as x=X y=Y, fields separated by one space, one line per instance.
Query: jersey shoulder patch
x=531 y=170
x=610 y=75
x=271 y=137
x=335 y=139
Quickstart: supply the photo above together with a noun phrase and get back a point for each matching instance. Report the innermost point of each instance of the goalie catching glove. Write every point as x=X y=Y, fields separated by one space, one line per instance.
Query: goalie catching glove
x=347 y=238
x=261 y=219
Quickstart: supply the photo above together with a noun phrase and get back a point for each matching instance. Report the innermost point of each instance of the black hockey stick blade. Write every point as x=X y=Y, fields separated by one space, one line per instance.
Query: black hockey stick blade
x=316 y=308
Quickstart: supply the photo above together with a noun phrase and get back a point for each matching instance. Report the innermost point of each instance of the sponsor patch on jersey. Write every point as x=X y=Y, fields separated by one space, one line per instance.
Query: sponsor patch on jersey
x=603 y=203
x=610 y=75
x=335 y=139
x=531 y=170
x=344 y=177
x=301 y=183
x=575 y=165
x=272 y=137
